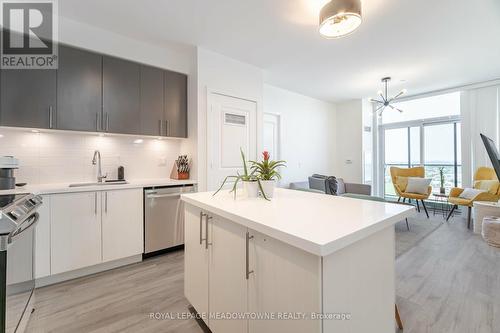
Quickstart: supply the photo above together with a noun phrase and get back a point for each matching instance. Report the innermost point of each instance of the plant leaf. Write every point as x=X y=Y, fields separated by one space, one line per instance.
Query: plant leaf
x=245 y=169
x=224 y=183
x=262 y=190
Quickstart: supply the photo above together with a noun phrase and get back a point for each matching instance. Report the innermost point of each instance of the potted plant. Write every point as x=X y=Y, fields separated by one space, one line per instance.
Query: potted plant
x=442 y=190
x=249 y=180
x=267 y=174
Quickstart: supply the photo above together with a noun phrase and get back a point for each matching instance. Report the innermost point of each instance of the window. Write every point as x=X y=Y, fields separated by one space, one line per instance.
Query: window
x=433 y=141
x=442 y=147
x=424 y=108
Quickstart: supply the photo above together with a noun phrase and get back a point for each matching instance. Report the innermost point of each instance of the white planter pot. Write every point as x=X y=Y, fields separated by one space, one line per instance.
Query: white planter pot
x=268 y=187
x=251 y=189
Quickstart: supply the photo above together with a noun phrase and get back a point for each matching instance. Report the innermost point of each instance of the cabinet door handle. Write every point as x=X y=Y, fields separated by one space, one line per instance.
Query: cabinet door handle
x=160 y=129
x=106 y=202
x=95 y=203
x=107 y=122
x=51 y=117
x=201 y=227
x=247 y=256
x=167 y=128
x=207 y=218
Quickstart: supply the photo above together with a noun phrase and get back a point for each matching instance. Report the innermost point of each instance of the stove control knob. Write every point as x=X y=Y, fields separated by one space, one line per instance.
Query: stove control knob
x=15 y=214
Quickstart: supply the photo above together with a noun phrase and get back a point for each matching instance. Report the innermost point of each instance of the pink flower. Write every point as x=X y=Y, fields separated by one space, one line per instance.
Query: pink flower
x=266 y=155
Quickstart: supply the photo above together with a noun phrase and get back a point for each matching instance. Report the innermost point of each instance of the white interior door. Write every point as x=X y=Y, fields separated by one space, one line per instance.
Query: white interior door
x=272 y=135
x=232 y=124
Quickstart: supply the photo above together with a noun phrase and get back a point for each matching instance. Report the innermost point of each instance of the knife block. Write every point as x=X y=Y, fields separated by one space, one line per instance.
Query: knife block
x=178 y=175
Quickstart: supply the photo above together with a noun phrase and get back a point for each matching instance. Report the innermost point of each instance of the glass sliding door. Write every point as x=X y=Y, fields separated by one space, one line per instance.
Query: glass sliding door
x=401 y=149
x=442 y=151
x=396 y=154
x=433 y=145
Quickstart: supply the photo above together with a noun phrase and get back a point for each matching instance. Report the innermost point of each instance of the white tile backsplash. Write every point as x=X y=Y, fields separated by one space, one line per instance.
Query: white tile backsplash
x=62 y=157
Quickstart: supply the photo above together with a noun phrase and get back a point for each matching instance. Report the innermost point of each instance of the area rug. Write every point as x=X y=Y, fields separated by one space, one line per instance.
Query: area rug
x=420 y=227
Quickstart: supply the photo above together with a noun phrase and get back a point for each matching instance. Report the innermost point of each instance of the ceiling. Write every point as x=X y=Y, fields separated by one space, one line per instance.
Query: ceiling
x=425 y=45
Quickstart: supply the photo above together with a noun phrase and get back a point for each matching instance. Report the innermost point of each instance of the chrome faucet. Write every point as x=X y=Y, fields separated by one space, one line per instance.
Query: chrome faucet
x=97 y=160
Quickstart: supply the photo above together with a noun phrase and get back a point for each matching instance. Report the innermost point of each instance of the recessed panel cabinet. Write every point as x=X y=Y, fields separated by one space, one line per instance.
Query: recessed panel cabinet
x=79 y=90
x=28 y=98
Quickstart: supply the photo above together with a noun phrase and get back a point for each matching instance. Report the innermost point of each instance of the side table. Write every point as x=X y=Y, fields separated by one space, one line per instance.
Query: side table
x=482 y=209
x=441 y=204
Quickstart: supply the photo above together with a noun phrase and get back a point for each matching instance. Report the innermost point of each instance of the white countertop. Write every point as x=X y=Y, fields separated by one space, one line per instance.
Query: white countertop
x=64 y=187
x=317 y=223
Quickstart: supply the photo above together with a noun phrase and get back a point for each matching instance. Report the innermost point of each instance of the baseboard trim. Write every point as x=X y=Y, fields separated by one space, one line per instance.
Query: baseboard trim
x=162 y=252
x=200 y=322
x=66 y=276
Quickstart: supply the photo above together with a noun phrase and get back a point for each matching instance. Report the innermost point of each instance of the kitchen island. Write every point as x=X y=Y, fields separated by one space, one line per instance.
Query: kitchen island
x=303 y=262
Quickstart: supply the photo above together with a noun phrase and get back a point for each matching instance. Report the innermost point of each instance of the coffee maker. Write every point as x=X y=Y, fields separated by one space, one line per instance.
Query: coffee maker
x=7 y=166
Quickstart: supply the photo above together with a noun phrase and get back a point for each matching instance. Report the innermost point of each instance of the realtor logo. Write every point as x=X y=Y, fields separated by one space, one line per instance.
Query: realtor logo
x=29 y=34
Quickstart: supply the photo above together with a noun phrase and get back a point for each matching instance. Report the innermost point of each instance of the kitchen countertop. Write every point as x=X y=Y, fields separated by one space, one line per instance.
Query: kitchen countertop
x=317 y=223
x=64 y=187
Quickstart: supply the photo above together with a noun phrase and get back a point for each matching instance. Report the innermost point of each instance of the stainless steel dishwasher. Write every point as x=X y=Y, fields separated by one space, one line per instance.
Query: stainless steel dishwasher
x=164 y=218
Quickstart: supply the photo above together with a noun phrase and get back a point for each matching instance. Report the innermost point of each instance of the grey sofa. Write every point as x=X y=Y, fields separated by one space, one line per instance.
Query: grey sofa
x=319 y=184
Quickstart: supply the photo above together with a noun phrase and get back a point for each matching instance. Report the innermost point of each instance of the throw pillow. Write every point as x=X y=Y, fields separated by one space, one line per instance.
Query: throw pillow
x=487 y=185
x=402 y=182
x=340 y=186
x=470 y=193
x=418 y=185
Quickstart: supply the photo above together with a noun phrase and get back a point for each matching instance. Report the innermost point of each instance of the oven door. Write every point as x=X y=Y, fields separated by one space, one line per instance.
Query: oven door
x=20 y=275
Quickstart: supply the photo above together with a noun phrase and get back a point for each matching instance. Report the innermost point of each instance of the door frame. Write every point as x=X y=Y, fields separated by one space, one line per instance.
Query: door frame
x=209 y=132
x=420 y=123
x=280 y=132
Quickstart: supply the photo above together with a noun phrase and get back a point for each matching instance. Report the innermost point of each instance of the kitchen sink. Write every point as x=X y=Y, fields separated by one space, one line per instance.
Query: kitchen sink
x=108 y=182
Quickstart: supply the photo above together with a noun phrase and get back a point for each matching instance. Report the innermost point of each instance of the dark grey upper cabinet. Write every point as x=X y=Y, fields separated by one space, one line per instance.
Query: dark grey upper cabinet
x=28 y=98
x=175 y=104
x=121 y=96
x=79 y=90
x=94 y=92
x=152 y=110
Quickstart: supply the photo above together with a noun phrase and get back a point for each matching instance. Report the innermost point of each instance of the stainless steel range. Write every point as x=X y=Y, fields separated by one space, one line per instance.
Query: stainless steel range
x=18 y=218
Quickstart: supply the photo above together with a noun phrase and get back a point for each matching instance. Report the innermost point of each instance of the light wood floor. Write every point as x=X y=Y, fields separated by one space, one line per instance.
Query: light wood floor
x=119 y=300
x=449 y=282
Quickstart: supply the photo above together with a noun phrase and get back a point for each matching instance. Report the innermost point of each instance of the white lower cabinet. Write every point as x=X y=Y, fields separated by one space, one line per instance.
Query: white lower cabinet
x=42 y=240
x=286 y=280
x=88 y=228
x=244 y=273
x=228 y=292
x=196 y=260
x=75 y=233
x=122 y=227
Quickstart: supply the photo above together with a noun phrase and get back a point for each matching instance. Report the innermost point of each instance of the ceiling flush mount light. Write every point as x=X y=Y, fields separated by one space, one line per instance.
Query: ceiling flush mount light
x=339 y=18
x=385 y=100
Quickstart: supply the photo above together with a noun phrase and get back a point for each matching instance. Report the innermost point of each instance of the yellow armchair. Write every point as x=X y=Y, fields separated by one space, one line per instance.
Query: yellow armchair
x=485 y=179
x=399 y=178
